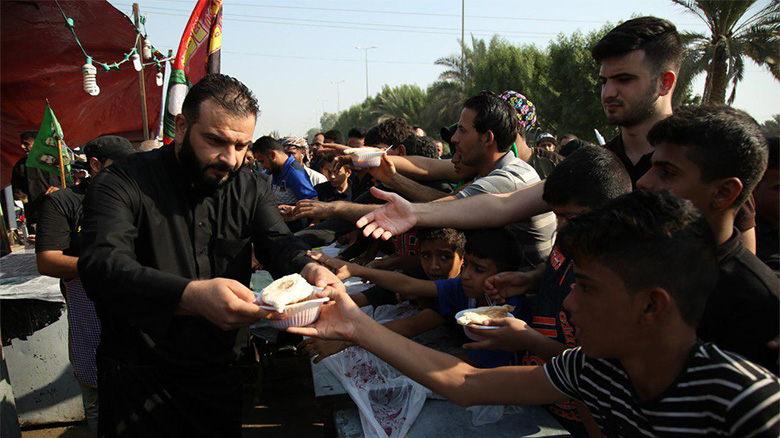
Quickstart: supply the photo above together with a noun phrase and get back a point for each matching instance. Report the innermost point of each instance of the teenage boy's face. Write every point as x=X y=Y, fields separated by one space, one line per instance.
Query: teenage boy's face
x=564 y=212
x=672 y=170
x=628 y=89
x=603 y=312
x=335 y=178
x=438 y=260
x=474 y=273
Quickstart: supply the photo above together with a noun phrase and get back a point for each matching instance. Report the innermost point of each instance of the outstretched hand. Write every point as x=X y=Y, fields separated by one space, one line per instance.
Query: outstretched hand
x=394 y=218
x=512 y=335
x=340 y=267
x=339 y=320
x=508 y=284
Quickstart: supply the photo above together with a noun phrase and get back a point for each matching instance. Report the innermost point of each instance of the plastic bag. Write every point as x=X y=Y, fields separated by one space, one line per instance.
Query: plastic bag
x=388 y=401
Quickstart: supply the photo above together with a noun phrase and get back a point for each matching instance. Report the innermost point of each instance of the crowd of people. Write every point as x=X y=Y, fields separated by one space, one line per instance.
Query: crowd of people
x=643 y=273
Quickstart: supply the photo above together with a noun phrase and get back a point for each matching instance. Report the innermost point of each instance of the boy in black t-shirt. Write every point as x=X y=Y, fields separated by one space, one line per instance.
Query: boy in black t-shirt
x=339 y=185
x=644 y=266
x=588 y=179
x=714 y=156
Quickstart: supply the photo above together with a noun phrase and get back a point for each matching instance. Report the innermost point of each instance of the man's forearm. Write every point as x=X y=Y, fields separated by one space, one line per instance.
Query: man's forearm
x=495 y=210
x=56 y=264
x=414 y=191
x=351 y=211
x=424 y=168
x=453 y=378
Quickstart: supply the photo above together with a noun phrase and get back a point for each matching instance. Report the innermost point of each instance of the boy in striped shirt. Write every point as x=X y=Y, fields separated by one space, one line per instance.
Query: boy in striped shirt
x=644 y=266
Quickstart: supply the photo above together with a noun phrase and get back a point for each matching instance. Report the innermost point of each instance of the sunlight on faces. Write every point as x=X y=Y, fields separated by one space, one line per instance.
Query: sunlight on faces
x=355 y=142
x=767 y=196
x=672 y=170
x=438 y=260
x=474 y=273
x=606 y=316
x=469 y=144
x=629 y=90
x=218 y=142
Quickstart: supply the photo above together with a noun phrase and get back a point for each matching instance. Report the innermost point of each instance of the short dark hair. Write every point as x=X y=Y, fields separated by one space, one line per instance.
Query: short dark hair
x=335 y=136
x=390 y=132
x=28 y=135
x=454 y=238
x=497 y=245
x=266 y=144
x=496 y=116
x=656 y=36
x=422 y=146
x=570 y=147
x=357 y=132
x=590 y=177
x=774 y=152
x=226 y=90
x=651 y=239
x=723 y=142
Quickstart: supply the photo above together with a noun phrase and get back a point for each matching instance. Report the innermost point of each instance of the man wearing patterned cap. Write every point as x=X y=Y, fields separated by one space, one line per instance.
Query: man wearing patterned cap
x=298 y=148
x=541 y=160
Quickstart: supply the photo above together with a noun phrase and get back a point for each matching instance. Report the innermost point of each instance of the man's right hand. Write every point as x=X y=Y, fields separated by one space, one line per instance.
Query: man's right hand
x=339 y=267
x=394 y=218
x=313 y=209
x=385 y=172
x=225 y=303
x=508 y=284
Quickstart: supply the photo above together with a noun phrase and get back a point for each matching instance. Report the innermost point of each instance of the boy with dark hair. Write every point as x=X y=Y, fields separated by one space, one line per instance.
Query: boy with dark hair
x=388 y=133
x=645 y=264
x=417 y=146
x=338 y=186
x=487 y=252
x=767 y=193
x=588 y=179
x=334 y=136
x=355 y=136
x=715 y=156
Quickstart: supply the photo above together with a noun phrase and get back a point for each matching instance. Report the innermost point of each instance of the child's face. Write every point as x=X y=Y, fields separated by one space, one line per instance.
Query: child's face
x=438 y=260
x=475 y=271
x=336 y=178
x=673 y=171
x=604 y=313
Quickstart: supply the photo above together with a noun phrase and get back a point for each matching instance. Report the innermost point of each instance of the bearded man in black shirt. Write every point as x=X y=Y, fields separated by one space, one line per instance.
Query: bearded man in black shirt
x=167 y=241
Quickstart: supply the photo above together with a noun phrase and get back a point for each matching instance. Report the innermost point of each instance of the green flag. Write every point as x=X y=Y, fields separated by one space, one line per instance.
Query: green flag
x=49 y=148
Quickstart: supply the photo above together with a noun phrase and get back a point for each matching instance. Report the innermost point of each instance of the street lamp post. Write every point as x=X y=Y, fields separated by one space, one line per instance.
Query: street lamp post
x=338 y=96
x=365 y=50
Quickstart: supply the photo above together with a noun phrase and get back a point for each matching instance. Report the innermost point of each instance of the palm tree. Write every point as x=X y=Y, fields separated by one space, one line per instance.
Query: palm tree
x=734 y=35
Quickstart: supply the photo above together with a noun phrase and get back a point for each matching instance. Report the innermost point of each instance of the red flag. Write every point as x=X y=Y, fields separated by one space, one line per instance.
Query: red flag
x=198 y=54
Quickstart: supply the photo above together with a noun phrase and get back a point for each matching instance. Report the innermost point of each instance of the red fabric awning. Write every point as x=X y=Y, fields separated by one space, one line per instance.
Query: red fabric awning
x=41 y=60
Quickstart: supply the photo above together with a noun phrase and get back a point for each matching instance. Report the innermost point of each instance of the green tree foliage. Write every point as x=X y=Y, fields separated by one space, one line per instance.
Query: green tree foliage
x=771 y=127
x=736 y=32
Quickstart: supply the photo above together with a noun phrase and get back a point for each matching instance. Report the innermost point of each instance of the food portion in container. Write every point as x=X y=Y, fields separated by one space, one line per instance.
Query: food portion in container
x=365 y=156
x=478 y=316
x=285 y=291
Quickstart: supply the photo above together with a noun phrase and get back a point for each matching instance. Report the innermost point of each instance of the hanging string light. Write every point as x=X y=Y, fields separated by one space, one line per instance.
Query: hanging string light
x=136 y=61
x=159 y=78
x=147 y=49
x=90 y=82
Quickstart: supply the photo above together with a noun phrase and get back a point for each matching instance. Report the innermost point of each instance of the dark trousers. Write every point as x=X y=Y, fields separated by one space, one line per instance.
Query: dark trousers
x=166 y=401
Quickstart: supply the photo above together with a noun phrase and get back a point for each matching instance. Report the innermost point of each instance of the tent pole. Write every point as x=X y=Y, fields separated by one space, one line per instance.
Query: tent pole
x=137 y=16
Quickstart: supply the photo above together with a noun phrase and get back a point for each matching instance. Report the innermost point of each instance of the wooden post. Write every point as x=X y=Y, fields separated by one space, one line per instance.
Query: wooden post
x=62 y=163
x=137 y=16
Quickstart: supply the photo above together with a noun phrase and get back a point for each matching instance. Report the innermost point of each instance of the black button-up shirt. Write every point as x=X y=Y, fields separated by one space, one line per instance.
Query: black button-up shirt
x=147 y=234
x=635 y=170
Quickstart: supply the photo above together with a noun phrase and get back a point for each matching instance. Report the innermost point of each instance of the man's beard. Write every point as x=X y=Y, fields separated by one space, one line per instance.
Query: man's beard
x=202 y=181
x=641 y=110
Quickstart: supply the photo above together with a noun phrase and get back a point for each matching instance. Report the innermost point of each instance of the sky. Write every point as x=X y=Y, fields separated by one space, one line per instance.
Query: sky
x=294 y=54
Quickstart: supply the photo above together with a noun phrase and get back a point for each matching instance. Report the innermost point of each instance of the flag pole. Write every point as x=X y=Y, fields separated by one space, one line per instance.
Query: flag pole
x=59 y=152
x=137 y=17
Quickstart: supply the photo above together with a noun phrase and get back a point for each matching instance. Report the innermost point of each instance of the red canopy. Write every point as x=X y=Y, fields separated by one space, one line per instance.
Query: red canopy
x=41 y=60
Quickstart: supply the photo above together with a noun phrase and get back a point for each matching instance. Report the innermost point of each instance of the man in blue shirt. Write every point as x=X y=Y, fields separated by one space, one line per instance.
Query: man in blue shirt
x=291 y=184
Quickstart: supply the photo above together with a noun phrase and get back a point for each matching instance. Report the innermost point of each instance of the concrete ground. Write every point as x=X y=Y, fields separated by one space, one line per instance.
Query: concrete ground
x=283 y=407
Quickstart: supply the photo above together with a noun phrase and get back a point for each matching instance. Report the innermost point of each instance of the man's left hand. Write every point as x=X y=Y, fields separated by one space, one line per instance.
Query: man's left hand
x=320 y=276
x=309 y=208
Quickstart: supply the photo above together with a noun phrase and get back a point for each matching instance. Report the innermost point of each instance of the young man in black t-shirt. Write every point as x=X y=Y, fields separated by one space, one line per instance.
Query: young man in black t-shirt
x=57 y=252
x=588 y=179
x=644 y=265
x=339 y=185
x=714 y=157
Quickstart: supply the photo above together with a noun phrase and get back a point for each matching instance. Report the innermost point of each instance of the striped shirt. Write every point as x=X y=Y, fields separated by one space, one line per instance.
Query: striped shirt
x=717 y=394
